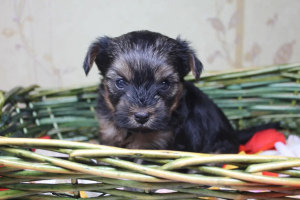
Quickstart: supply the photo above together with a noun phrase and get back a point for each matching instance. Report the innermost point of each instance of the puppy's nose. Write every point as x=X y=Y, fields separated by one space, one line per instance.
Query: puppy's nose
x=141 y=117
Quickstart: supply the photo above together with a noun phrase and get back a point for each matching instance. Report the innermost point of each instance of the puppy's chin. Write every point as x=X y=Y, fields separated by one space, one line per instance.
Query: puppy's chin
x=141 y=130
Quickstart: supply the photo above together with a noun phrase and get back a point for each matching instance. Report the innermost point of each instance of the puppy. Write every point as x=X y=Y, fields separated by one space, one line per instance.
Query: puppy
x=144 y=101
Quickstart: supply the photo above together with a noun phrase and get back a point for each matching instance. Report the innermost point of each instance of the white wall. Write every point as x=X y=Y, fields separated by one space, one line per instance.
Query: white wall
x=44 y=41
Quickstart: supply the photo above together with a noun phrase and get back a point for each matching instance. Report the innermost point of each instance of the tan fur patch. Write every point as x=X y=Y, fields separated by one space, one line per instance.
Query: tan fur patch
x=192 y=66
x=154 y=140
x=107 y=100
x=109 y=134
x=162 y=73
x=112 y=136
x=122 y=69
x=176 y=101
x=92 y=56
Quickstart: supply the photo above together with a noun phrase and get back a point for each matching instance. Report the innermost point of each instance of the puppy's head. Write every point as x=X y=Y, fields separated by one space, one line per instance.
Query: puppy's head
x=142 y=77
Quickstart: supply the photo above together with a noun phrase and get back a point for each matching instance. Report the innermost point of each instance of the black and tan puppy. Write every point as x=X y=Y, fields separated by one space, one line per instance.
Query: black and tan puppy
x=144 y=102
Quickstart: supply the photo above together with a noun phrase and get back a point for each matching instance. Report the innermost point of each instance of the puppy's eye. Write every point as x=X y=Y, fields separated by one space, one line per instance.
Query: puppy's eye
x=121 y=83
x=164 y=85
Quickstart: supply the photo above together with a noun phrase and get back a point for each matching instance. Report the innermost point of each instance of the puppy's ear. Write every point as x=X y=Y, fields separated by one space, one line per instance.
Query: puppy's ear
x=192 y=63
x=97 y=52
x=195 y=65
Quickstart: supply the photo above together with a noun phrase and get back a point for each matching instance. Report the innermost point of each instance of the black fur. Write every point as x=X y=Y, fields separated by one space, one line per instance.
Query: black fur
x=203 y=128
x=143 y=76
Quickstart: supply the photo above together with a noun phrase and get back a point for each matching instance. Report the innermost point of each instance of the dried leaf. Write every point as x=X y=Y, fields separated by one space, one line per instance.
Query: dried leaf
x=8 y=32
x=18 y=46
x=48 y=57
x=284 y=53
x=233 y=20
x=251 y=55
x=213 y=56
x=272 y=21
x=217 y=24
x=30 y=18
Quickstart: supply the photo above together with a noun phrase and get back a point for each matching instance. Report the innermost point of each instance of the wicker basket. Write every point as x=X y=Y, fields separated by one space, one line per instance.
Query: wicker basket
x=71 y=166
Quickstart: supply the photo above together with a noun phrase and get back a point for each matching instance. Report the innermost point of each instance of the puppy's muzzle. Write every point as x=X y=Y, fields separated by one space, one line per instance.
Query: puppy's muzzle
x=141 y=117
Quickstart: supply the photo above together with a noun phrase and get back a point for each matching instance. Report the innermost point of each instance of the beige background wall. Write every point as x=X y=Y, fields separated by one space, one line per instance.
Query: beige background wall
x=45 y=41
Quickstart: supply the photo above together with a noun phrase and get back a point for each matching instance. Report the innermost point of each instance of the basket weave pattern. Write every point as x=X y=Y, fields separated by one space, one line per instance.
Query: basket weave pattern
x=248 y=97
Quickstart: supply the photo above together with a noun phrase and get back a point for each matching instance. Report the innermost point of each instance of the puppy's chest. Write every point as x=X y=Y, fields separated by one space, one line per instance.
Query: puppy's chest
x=110 y=135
